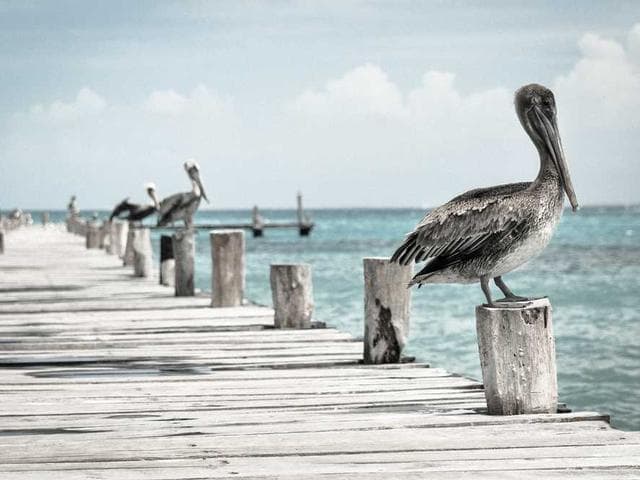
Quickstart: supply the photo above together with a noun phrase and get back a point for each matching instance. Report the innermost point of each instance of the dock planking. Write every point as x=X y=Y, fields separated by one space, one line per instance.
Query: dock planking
x=104 y=375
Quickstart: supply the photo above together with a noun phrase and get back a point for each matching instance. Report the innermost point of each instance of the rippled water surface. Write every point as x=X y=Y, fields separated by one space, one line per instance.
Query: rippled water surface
x=590 y=271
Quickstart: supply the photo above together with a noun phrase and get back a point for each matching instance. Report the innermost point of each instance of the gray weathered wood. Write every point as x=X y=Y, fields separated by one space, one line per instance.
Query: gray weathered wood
x=92 y=238
x=227 y=258
x=184 y=251
x=105 y=236
x=110 y=246
x=292 y=294
x=387 y=308
x=142 y=252
x=167 y=261
x=121 y=233
x=1 y=242
x=518 y=358
x=128 y=258
x=257 y=222
x=45 y=218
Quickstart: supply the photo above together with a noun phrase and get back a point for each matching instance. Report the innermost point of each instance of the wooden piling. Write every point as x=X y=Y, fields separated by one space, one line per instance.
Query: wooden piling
x=1 y=242
x=387 y=308
x=105 y=236
x=45 y=218
x=142 y=256
x=128 y=257
x=184 y=254
x=257 y=224
x=227 y=258
x=304 y=225
x=111 y=232
x=518 y=358
x=92 y=235
x=122 y=231
x=167 y=261
x=292 y=294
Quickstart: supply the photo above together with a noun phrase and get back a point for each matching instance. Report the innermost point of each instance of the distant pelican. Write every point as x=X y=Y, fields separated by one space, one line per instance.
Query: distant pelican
x=487 y=232
x=183 y=206
x=135 y=212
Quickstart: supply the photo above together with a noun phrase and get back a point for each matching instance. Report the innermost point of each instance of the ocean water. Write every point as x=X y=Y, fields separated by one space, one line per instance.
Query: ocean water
x=590 y=272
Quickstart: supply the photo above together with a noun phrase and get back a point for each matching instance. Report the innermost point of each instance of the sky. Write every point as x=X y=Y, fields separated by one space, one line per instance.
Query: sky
x=355 y=103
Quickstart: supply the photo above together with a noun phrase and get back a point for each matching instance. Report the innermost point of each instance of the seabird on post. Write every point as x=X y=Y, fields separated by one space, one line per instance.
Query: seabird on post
x=135 y=212
x=183 y=206
x=485 y=233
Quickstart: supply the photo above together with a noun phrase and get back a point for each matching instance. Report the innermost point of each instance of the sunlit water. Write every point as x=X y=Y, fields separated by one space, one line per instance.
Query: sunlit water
x=590 y=271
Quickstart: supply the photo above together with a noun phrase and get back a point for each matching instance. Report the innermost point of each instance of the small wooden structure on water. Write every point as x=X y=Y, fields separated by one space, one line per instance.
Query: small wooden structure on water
x=107 y=375
x=258 y=225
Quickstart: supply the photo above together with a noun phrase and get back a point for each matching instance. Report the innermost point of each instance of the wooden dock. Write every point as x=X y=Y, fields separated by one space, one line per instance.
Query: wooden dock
x=107 y=376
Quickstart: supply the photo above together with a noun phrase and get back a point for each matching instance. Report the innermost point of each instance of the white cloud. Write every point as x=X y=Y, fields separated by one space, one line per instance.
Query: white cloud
x=603 y=88
x=200 y=100
x=365 y=90
x=86 y=103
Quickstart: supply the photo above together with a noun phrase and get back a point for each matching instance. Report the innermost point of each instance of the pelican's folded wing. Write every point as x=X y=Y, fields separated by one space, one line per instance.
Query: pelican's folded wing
x=463 y=225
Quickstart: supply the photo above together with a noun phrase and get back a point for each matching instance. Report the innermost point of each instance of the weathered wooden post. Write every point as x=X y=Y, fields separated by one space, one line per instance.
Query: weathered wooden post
x=128 y=258
x=387 y=308
x=257 y=223
x=1 y=242
x=292 y=294
x=518 y=358
x=45 y=218
x=167 y=261
x=142 y=256
x=227 y=258
x=81 y=227
x=92 y=235
x=112 y=232
x=304 y=226
x=105 y=236
x=122 y=231
x=184 y=252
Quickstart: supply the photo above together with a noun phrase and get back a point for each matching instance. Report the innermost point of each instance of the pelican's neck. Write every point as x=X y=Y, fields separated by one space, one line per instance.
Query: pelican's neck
x=548 y=171
x=195 y=188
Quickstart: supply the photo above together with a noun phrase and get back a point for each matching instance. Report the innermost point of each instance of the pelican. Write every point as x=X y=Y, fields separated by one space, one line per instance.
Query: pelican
x=182 y=206
x=485 y=233
x=134 y=211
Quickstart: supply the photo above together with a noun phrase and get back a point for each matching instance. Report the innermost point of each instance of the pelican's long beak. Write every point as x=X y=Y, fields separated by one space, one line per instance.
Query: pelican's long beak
x=196 y=178
x=548 y=131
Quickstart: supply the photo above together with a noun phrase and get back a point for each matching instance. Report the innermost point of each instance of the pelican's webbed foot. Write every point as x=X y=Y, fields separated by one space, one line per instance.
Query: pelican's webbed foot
x=510 y=301
x=513 y=299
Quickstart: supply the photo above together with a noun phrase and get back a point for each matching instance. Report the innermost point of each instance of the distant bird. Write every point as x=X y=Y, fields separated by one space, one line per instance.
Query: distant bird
x=487 y=232
x=135 y=212
x=183 y=206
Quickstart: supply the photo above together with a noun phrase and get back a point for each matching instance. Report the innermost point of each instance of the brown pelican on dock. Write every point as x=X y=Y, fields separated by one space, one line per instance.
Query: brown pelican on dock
x=135 y=212
x=183 y=206
x=485 y=233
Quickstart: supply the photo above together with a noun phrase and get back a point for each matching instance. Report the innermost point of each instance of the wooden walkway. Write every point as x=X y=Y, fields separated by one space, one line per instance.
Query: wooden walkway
x=106 y=376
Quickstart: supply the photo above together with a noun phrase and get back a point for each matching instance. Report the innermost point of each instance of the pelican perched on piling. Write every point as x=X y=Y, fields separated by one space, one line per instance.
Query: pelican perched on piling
x=183 y=206
x=485 y=233
x=135 y=212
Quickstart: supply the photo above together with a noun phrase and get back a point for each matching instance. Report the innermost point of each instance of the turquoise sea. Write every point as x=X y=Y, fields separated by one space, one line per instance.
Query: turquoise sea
x=590 y=271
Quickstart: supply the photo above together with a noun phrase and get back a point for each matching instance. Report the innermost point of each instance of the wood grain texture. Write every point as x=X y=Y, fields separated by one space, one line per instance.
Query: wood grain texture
x=142 y=253
x=184 y=251
x=227 y=260
x=387 y=309
x=518 y=358
x=292 y=294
